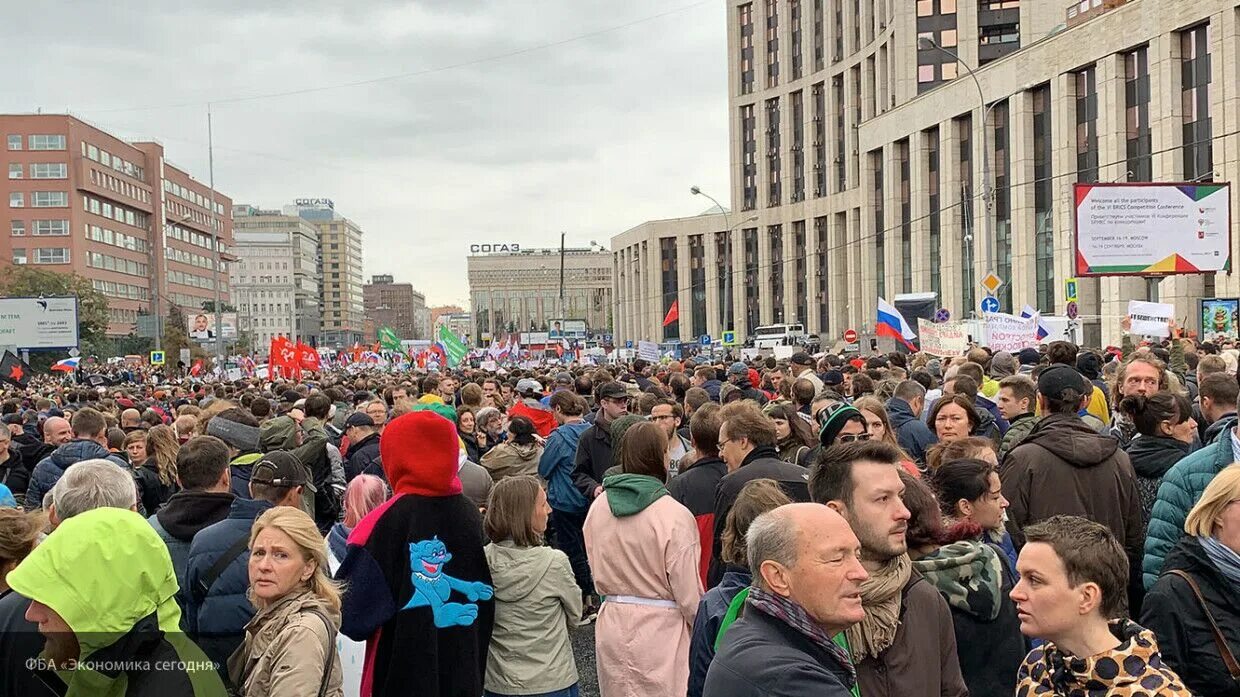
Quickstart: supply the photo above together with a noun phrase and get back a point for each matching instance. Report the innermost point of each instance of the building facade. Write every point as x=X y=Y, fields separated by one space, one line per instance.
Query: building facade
x=276 y=277
x=520 y=291
x=340 y=272
x=79 y=200
x=873 y=168
x=395 y=305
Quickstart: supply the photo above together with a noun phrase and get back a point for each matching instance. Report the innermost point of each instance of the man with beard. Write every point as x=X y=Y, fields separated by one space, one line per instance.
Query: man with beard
x=906 y=645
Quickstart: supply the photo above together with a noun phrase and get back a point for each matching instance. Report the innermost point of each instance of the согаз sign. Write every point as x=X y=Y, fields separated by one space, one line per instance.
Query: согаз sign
x=486 y=247
x=314 y=202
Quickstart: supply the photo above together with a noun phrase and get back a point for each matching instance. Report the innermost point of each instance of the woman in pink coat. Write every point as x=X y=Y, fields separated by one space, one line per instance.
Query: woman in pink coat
x=644 y=554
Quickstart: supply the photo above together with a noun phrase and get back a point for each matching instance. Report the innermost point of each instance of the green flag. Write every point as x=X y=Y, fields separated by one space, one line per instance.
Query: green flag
x=452 y=346
x=388 y=339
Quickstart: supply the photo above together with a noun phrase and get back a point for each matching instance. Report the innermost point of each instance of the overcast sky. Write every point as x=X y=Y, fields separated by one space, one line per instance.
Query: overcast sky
x=590 y=135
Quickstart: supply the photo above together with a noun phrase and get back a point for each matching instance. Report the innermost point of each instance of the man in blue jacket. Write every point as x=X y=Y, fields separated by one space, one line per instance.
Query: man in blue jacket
x=568 y=505
x=214 y=595
x=90 y=442
x=904 y=410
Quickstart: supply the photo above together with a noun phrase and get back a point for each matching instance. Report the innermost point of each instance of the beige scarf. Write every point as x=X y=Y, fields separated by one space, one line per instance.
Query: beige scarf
x=880 y=596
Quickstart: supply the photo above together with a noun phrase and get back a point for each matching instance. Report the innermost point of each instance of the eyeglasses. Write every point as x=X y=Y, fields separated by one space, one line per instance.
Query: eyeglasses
x=853 y=437
x=725 y=441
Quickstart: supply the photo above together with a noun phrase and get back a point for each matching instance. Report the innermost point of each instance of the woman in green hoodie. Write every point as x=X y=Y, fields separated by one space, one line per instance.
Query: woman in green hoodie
x=536 y=597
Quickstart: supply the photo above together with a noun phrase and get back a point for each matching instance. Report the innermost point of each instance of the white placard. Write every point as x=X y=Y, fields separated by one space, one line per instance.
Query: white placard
x=648 y=351
x=1150 y=319
x=39 y=323
x=944 y=339
x=1010 y=333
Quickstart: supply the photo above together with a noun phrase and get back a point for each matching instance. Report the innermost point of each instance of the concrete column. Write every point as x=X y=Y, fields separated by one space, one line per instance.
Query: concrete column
x=919 y=207
x=1020 y=186
x=714 y=268
x=950 y=219
x=684 y=285
x=791 y=253
x=656 y=306
x=741 y=326
x=812 y=297
x=891 y=223
x=1225 y=105
x=763 y=277
x=1063 y=159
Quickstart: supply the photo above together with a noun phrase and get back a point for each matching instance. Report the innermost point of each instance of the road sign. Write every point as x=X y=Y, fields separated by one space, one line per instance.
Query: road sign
x=942 y=315
x=991 y=282
x=1072 y=310
x=705 y=340
x=729 y=338
x=628 y=344
x=1070 y=290
x=74 y=352
x=990 y=304
x=157 y=357
x=850 y=336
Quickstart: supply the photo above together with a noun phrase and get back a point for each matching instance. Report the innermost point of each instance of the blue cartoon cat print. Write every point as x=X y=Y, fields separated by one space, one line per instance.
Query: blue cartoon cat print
x=432 y=587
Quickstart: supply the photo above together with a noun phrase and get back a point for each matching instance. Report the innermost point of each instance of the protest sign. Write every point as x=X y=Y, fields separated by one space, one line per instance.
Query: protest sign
x=648 y=351
x=942 y=339
x=1010 y=333
x=1150 y=319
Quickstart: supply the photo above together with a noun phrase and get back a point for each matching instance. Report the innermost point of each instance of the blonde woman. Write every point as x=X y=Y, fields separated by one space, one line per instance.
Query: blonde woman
x=290 y=645
x=158 y=471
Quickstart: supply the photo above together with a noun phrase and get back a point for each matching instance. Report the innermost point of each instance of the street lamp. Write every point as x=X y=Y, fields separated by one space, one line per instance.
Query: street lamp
x=697 y=191
x=928 y=44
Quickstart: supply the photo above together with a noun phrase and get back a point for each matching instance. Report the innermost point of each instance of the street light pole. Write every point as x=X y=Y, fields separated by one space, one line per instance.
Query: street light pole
x=697 y=191
x=215 y=245
x=987 y=189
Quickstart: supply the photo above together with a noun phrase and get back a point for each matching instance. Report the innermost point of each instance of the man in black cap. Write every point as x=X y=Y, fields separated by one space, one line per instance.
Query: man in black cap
x=594 y=449
x=738 y=375
x=1063 y=467
x=802 y=366
x=363 y=437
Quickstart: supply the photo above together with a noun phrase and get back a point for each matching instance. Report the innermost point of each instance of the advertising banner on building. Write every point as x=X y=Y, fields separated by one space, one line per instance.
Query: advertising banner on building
x=200 y=326
x=1010 y=333
x=39 y=323
x=567 y=329
x=1134 y=229
x=1220 y=317
x=1150 y=319
x=944 y=339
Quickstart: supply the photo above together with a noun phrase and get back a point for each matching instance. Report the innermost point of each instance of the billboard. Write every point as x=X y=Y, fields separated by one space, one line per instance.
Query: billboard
x=200 y=326
x=1152 y=228
x=39 y=323
x=1220 y=317
x=567 y=329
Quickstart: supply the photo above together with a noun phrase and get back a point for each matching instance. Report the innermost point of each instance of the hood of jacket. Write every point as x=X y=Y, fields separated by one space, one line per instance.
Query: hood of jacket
x=526 y=452
x=421 y=454
x=278 y=434
x=968 y=574
x=1152 y=456
x=630 y=494
x=187 y=512
x=899 y=412
x=78 y=450
x=65 y=572
x=1072 y=441
x=338 y=541
x=516 y=571
x=1134 y=665
x=1224 y=423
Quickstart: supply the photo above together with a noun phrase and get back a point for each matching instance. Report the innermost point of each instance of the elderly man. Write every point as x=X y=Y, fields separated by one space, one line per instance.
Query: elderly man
x=807 y=573
x=131 y=420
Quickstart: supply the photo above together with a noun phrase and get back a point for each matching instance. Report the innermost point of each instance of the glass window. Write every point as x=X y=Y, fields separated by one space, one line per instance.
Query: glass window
x=948 y=38
x=49 y=199
x=17 y=199
x=19 y=256
x=105 y=159
x=17 y=228
x=15 y=170
x=925 y=8
x=947 y=7
x=42 y=142
x=925 y=73
x=15 y=142
x=107 y=210
x=49 y=170
x=92 y=152
x=51 y=255
x=950 y=71
x=50 y=228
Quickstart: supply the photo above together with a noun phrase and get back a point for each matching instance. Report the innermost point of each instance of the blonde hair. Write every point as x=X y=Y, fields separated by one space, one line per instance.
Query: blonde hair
x=19 y=531
x=161 y=450
x=1222 y=490
x=299 y=526
x=510 y=508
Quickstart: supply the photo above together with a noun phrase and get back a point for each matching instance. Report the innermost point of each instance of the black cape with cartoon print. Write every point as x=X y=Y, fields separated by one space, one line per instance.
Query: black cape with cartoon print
x=419 y=589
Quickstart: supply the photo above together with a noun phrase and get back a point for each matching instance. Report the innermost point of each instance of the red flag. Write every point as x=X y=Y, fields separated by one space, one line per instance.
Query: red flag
x=673 y=313
x=197 y=368
x=284 y=356
x=307 y=357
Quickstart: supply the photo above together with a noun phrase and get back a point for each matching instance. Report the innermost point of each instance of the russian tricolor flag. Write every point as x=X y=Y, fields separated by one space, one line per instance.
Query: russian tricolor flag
x=1027 y=312
x=892 y=324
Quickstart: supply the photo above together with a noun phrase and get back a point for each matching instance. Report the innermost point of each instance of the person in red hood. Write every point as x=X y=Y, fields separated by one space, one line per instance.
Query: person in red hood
x=529 y=393
x=418 y=585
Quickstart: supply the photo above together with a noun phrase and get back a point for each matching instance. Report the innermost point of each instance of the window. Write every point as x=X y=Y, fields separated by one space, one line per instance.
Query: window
x=47 y=142
x=947 y=7
x=49 y=199
x=749 y=158
x=19 y=256
x=1043 y=197
x=49 y=170
x=950 y=70
x=775 y=237
x=1198 y=152
x=1137 y=113
x=51 y=255
x=925 y=73
x=92 y=152
x=15 y=142
x=50 y=228
x=1086 y=124
x=15 y=170
x=17 y=200
x=948 y=38
x=18 y=228
x=880 y=243
x=925 y=8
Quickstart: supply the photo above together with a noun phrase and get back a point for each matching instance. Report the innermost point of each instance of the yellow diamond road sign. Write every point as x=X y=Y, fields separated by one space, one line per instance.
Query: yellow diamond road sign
x=991 y=283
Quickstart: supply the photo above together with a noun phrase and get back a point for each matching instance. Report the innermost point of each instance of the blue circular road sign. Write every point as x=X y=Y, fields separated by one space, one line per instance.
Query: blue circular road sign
x=990 y=304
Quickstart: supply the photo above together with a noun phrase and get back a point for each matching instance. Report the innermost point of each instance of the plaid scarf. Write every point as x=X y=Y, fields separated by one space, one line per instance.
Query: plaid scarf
x=795 y=616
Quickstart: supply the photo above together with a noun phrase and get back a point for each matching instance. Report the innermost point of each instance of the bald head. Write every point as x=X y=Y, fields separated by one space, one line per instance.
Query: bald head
x=131 y=418
x=57 y=431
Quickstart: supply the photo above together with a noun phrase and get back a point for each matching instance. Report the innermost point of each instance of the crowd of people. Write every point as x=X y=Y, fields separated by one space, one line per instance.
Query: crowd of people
x=1057 y=521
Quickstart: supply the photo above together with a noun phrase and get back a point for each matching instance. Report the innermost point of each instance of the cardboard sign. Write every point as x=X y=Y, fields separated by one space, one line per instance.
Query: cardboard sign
x=942 y=339
x=1010 y=333
x=648 y=351
x=1150 y=319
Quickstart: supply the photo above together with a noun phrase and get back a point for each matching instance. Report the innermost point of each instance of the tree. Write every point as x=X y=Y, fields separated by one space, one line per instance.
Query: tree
x=26 y=281
x=209 y=306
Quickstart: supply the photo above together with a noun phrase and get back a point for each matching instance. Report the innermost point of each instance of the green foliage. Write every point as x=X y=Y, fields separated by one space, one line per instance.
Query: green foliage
x=209 y=306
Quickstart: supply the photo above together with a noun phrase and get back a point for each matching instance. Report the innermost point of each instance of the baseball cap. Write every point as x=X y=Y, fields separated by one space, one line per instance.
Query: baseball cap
x=281 y=468
x=528 y=385
x=832 y=378
x=563 y=378
x=1028 y=356
x=612 y=390
x=802 y=358
x=738 y=368
x=359 y=418
x=1057 y=378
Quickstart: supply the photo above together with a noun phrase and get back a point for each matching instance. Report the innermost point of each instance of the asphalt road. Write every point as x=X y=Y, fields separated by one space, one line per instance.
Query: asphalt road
x=583 y=650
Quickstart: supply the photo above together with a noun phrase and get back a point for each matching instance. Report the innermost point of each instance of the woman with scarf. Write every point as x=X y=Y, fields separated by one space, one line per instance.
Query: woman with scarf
x=643 y=551
x=1194 y=607
x=974 y=580
x=1168 y=433
x=794 y=437
x=971 y=499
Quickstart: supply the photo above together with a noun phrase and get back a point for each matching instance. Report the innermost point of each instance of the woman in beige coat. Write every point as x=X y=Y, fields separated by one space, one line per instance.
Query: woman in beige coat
x=644 y=554
x=290 y=645
x=536 y=598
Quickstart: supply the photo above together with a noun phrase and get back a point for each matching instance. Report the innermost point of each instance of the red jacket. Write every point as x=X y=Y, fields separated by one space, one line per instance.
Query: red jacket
x=544 y=420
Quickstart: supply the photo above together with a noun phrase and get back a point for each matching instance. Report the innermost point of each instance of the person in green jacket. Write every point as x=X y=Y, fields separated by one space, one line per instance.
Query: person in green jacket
x=102 y=593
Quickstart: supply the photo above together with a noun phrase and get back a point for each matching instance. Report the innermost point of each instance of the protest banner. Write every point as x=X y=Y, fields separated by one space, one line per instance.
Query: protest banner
x=648 y=351
x=1150 y=319
x=1010 y=333
x=943 y=339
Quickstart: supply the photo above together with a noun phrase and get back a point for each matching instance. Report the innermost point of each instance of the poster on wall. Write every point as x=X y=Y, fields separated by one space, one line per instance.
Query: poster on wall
x=1220 y=317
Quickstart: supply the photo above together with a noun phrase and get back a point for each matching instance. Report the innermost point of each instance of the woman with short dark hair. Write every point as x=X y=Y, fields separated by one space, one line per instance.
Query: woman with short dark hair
x=517 y=455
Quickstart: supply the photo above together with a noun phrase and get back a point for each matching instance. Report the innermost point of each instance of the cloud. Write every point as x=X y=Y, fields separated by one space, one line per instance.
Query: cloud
x=589 y=137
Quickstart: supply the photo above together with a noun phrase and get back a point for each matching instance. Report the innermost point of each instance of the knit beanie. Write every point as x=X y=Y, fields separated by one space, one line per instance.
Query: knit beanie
x=420 y=453
x=1002 y=364
x=836 y=422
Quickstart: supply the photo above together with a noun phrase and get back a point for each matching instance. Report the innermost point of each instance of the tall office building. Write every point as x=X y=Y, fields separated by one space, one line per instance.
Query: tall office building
x=340 y=272
x=80 y=200
x=276 y=277
x=395 y=305
x=520 y=291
